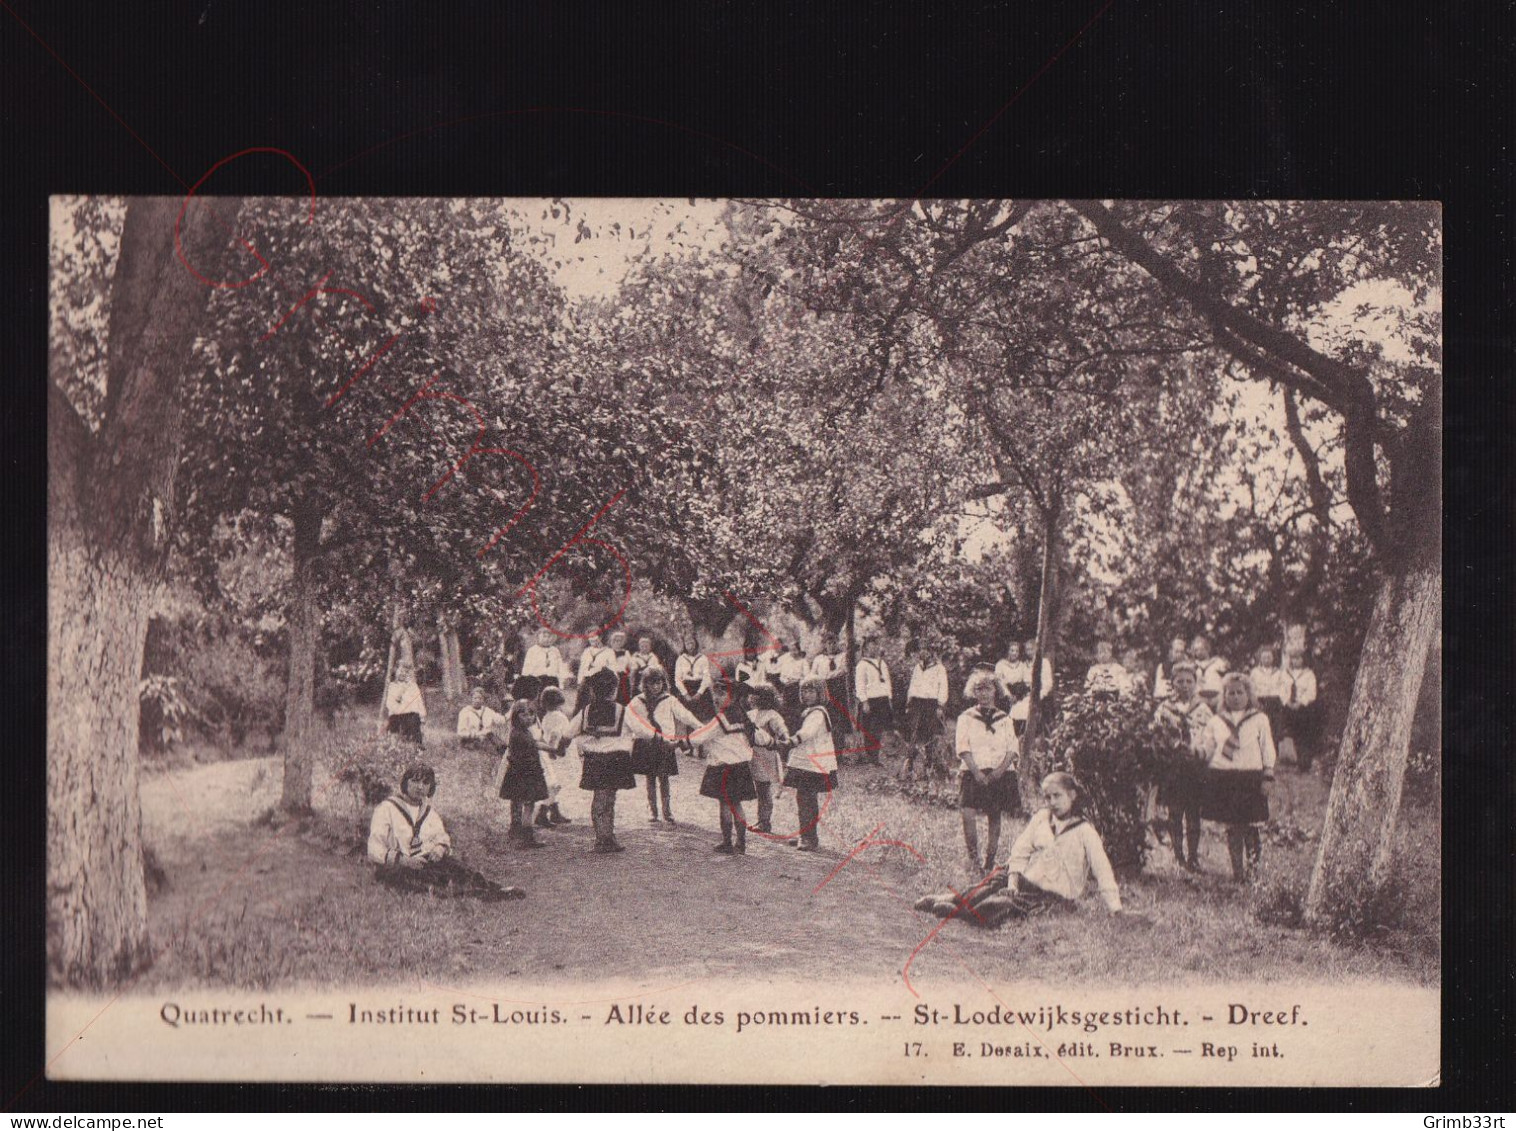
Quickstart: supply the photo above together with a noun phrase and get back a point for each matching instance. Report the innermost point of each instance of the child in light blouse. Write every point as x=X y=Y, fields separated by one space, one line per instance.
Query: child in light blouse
x=1241 y=748
x=410 y=848
x=403 y=706
x=1049 y=869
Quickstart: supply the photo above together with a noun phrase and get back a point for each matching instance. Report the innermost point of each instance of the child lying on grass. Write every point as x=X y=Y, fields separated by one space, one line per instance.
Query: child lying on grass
x=1049 y=867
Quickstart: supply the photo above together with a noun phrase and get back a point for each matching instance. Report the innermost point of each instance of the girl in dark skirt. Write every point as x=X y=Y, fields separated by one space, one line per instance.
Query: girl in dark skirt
x=987 y=748
x=811 y=768
x=1049 y=869
x=1182 y=790
x=1241 y=748
x=523 y=784
x=605 y=741
x=729 y=773
x=661 y=724
x=692 y=678
x=925 y=700
x=404 y=706
x=876 y=698
x=1268 y=683
x=1300 y=712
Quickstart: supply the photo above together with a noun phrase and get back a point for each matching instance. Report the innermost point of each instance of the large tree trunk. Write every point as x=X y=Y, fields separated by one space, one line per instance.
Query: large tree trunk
x=97 y=624
x=1358 y=833
x=110 y=498
x=1047 y=619
x=304 y=618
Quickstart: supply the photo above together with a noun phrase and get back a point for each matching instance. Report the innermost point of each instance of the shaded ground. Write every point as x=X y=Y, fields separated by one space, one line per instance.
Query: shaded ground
x=248 y=905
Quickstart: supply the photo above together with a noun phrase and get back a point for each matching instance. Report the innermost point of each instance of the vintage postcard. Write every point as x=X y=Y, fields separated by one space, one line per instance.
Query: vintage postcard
x=744 y=641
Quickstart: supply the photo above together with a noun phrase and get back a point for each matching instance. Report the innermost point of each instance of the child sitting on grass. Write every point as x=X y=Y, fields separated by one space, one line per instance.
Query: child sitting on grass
x=410 y=848
x=1049 y=867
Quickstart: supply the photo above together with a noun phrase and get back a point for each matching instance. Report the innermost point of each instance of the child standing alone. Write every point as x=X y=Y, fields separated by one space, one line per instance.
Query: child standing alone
x=523 y=784
x=1241 y=748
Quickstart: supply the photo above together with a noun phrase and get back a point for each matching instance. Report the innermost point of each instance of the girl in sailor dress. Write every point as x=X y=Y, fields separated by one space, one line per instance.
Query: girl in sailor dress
x=987 y=748
x=403 y=705
x=605 y=743
x=1182 y=789
x=619 y=661
x=926 y=699
x=875 y=691
x=1163 y=688
x=597 y=654
x=729 y=770
x=792 y=668
x=523 y=782
x=1209 y=669
x=1268 y=687
x=544 y=661
x=643 y=661
x=661 y=724
x=1013 y=674
x=1049 y=869
x=1240 y=745
x=771 y=738
x=811 y=767
x=1299 y=711
x=692 y=679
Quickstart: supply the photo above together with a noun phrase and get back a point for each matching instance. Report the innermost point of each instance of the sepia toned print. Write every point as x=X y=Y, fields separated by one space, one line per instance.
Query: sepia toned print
x=808 y=641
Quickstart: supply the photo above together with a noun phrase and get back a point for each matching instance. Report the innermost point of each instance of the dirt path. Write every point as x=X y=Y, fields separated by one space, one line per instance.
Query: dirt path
x=248 y=905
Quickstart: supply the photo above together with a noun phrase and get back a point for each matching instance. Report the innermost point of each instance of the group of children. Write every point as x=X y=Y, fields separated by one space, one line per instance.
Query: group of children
x=622 y=729
x=772 y=723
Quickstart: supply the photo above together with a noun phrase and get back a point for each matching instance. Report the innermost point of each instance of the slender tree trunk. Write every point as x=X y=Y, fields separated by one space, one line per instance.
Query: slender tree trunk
x=1047 y=619
x=389 y=664
x=460 y=676
x=445 y=662
x=304 y=618
x=850 y=646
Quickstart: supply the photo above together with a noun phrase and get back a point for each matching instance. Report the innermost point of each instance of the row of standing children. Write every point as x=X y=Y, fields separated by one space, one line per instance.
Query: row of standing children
x=749 y=749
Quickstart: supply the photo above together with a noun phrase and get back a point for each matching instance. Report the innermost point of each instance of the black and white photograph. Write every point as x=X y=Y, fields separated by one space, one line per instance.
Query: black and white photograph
x=744 y=640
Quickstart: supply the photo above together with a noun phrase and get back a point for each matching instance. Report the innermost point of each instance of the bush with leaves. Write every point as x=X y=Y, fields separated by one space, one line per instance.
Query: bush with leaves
x=371 y=765
x=1115 y=749
x=165 y=713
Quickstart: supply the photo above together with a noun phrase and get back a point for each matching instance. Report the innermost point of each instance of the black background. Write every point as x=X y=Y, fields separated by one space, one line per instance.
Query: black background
x=1139 y=98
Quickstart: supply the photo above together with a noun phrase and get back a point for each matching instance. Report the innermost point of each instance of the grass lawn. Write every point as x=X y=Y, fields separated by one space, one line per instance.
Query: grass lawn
x=246 y=904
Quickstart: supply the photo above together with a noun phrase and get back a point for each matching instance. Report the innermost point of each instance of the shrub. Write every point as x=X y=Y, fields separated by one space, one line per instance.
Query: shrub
x=1278 y=901
x=235 y=689
x=1356 y=911
x=371 y=765
x=1113 y=746
x=164 y=715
